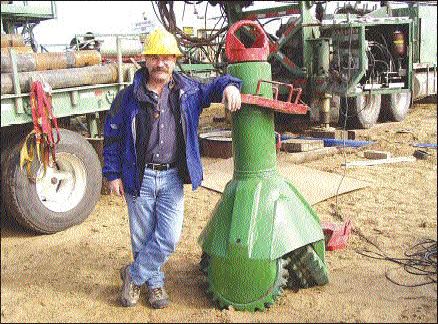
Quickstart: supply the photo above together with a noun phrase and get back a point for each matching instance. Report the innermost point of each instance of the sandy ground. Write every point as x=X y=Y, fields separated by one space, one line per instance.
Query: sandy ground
x=73 y=276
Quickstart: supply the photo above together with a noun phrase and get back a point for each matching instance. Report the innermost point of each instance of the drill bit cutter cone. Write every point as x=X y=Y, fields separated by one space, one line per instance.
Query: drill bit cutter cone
x=263 y=235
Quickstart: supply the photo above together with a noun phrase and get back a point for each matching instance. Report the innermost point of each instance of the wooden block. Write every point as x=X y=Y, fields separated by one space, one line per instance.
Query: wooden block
x=351 y=134
x=375 y=155
x=329 y=133
x=301 y=145
x=421 y=154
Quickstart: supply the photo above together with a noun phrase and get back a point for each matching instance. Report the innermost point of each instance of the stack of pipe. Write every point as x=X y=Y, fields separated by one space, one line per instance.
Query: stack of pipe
x=15 y=41
x=67 y=78
x=27 y=62
x=58 y=69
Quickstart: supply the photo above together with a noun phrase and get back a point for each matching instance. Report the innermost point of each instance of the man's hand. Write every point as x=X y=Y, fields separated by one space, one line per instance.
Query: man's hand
x=116 y=187
x=231 y=98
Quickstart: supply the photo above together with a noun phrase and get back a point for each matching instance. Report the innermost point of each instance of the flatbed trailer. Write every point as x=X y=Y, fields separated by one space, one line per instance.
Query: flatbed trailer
x=67 y=192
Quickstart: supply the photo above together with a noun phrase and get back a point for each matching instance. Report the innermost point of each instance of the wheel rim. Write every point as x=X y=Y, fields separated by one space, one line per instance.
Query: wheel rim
x=64 y=183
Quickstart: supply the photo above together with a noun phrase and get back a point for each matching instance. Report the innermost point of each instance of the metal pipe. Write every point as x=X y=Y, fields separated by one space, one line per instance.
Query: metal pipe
x=12 y=40
x=66 y=78
x=325 y=111
x=27 y=62
x=249 y=143
x=18 y=50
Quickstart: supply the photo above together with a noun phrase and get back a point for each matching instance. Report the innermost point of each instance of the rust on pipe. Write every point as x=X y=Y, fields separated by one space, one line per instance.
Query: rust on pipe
x=86 y=58
x=19 y=50
x=27 y=62
x=12 y=40
x=66 y=78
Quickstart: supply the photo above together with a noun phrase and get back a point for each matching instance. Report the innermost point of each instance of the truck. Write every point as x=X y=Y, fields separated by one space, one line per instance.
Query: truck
x=362 y=64
x=64 y=192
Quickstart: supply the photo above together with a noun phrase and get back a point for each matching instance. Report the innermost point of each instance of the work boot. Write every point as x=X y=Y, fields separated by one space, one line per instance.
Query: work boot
x=158 y=297
x=130 y=292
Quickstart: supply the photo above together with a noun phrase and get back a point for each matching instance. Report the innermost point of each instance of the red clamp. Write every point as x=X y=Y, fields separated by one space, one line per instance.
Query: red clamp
x=336 y=236
x=293 y=105
x=237 y=52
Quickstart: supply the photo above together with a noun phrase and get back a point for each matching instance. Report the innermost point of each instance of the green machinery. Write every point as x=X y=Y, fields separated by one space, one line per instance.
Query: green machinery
x=356 y=66
x=263 y=235
x=364 y=63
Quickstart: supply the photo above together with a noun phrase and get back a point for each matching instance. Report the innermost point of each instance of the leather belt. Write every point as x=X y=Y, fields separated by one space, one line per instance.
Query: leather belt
x=160 y=166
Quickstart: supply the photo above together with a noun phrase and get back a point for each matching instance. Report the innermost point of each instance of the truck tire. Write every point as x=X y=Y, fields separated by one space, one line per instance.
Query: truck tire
x=64 y=197
x=362 y=111
x=395 y=106
x=10 y=137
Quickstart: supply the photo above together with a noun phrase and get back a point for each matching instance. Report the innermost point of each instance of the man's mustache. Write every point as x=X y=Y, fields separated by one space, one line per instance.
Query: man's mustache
x=160 y=70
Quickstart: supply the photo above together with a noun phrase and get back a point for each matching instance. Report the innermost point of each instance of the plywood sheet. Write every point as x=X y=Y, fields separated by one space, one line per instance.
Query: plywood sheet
x=314 y=185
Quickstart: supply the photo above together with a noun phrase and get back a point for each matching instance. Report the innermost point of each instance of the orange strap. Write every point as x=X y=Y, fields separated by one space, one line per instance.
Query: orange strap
x=43 y=123
x=43 y=120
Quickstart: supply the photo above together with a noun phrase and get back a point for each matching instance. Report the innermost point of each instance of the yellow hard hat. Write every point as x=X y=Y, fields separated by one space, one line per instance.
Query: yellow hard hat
x=161 y=42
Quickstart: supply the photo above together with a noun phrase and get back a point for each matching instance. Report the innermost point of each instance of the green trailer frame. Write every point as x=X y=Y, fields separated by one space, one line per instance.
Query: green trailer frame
x=67 y=190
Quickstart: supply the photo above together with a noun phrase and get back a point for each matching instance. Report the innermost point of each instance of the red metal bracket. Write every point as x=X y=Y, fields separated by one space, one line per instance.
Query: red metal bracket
x=237 y=52
x=336 y=236
x=288 y=107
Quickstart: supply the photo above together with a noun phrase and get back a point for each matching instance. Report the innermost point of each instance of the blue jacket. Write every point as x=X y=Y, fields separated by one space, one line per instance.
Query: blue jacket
x=119 y=152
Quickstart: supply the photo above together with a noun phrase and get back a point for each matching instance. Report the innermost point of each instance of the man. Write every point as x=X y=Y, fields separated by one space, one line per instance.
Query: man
x=150 y=149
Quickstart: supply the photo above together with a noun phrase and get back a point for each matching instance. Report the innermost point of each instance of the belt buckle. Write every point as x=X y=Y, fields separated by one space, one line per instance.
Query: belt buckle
x=159 y=166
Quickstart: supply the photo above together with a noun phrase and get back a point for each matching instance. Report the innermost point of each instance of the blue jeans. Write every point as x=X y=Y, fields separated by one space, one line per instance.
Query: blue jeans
x=155 y=221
